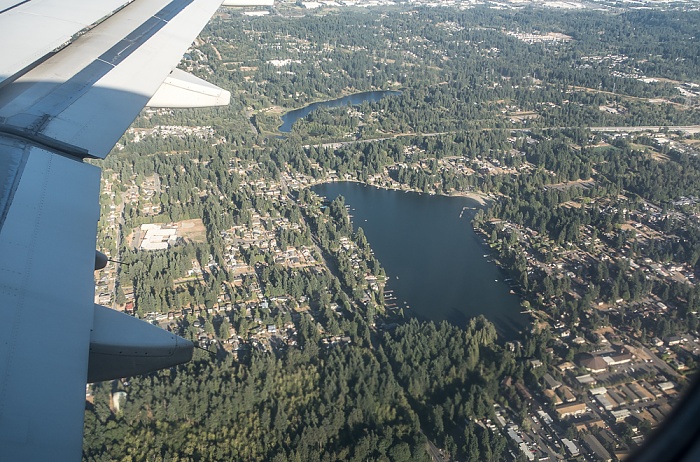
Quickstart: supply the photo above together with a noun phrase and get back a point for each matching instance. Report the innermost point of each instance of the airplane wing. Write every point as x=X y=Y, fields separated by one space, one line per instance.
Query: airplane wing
x=58 y=106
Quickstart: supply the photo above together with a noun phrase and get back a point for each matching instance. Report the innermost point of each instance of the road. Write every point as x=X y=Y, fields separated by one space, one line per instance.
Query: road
x=119 y=213
x=689 y=129
x=658 y=362
x=434 y=451
x=372 y=140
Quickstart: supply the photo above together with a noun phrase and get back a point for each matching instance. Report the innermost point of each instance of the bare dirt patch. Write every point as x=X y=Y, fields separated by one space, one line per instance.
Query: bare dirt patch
x=657 y=156
x=192 y=230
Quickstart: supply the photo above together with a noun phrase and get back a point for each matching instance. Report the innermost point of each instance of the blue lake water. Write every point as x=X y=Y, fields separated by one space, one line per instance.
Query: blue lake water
x=436 y=263
x=290 y=117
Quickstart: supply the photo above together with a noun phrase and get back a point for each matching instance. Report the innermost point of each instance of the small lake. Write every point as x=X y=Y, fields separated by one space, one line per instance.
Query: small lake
x=437 y=264
x=356 y=99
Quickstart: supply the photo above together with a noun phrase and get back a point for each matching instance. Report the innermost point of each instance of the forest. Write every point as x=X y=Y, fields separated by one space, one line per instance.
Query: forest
x=353 y=403
x=480 y=110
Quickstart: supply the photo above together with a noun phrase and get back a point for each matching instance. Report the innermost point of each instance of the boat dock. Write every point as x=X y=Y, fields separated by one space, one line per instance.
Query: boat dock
x=465 y=208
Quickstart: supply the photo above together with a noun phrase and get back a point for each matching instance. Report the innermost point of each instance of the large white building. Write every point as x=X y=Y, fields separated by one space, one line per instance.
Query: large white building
x=157 y=238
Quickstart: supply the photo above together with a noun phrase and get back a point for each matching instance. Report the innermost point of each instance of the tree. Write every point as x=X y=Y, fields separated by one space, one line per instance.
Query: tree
x=224 y=330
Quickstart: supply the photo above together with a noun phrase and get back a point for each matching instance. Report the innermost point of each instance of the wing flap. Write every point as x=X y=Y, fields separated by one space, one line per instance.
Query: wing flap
x=122 y=346
x=183 y=90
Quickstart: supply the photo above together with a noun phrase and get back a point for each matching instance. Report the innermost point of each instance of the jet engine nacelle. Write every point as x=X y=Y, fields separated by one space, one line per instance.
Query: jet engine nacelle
x=122 y=346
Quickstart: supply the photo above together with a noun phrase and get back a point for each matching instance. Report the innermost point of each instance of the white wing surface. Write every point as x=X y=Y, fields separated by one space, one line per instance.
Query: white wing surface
x=47 y=244
x=87 y=95
x=56 y=109
x=35 y=28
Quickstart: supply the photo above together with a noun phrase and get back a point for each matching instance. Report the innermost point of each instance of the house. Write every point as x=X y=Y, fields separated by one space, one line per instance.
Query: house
x=551 y=382
x=629 y=394
x=585 y=379
x=617 y=359
x=588 y=421
x=598 y=391
x=524 y=392
x=666 y=386
x=566 y=395
x=566 y=366
x=596 y=447
x=571 y=409
x=570 y=447
x=593 y=363
x=640 y=391
x=620 y=415
x=605 y=402
x=553 y=397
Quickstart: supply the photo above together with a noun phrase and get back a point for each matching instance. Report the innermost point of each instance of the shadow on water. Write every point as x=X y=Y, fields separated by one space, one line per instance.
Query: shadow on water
x=436 y=263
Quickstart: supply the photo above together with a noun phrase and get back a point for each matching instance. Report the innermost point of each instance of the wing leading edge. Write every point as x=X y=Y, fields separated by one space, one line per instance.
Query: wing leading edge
x=75 y=104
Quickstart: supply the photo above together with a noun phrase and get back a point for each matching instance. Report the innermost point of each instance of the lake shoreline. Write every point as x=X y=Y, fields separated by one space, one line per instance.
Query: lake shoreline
x=370 y=95
x=439 y=266
x=483 y=200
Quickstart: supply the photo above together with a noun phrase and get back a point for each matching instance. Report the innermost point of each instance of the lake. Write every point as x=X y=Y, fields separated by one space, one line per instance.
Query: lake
x=356 y=99
x=436 y=263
